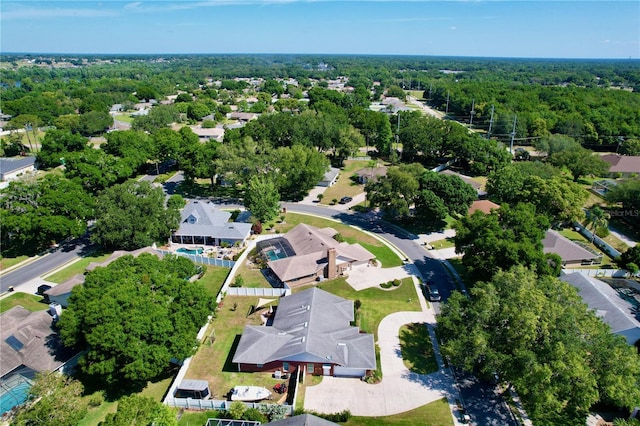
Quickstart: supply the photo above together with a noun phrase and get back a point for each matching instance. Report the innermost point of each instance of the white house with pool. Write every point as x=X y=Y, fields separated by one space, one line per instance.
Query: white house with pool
x=203 y=224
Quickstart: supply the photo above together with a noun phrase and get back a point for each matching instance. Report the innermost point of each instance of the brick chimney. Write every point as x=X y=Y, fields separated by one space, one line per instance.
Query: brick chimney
x=332 y=268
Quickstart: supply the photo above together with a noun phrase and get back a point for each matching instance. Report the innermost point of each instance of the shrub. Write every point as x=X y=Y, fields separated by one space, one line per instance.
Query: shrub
x=96 y=399
x=257 y=228
x=386 y=285
x=357 y=304
x=602 y=232
x=396 y=282
x=339 y=238
x=237 y=409
x=239 y=281
x=255 y=415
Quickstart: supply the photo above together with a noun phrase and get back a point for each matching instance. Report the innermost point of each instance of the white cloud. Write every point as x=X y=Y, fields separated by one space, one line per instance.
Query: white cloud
x=453 y=28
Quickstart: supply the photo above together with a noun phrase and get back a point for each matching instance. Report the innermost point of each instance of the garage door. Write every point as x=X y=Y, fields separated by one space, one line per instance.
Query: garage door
x=348 y=372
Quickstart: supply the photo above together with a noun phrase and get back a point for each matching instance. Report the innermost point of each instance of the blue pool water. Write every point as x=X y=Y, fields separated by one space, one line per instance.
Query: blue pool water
x=190 y=251
x=15 y=395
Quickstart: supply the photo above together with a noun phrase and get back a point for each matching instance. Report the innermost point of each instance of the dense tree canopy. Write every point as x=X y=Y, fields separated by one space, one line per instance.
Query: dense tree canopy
x=134 y=410
x=261 y=198
x=133 y=215
x=626 y=193
x=43 y=212
x=134 y=316
x=537 y=334
x=504 y=238
x=54 y=400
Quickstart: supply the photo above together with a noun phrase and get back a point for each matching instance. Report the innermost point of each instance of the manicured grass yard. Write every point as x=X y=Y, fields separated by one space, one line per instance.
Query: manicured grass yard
x=417 y=350
x=30 y=302
x=213 y=279
x=75 y=268
x=435 y=414
x=351 y=235
x=7 y=262
x=344 y=186
x=444 y=243
x=376 y=302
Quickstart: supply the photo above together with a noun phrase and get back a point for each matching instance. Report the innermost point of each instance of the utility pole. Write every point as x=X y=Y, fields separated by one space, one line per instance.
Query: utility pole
x=398 y=135
x=490 y=124
x=513 y=134
x=473 y=111
x=447 y=109
x=430 y=89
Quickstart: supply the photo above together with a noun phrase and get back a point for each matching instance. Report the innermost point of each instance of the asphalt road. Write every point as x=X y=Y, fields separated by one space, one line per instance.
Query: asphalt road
x=65 y=253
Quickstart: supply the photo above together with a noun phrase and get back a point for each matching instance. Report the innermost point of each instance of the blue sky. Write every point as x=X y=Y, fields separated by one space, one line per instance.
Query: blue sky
x=539 y=29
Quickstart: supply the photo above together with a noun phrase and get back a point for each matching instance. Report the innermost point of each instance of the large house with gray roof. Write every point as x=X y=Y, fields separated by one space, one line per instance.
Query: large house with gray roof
x=570 y=252
x=202 y=223
x=311 y=331
x=306 y=254
x=608 y=304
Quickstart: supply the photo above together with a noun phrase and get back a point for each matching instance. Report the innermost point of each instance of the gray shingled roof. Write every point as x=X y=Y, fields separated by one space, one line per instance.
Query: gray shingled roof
x=310 y=245
x=65 y=287
x=8 y=165
x=27 y=338
x=569 y=251
x=310 y=326
x=608 y=304
x=210 y=221
x=302 y=420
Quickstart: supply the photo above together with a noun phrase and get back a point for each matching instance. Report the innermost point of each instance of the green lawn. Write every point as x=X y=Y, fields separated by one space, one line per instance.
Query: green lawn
x=444 y=243
x=350 y=234
x=30 y=302
x=196 y=418
x=127 y=118
x=417 y=350
x=213 y=279
x=98 y=414
x=344 y=186
x=376 y=302
x=76 y=268
x=7 y=262
x=435 y=414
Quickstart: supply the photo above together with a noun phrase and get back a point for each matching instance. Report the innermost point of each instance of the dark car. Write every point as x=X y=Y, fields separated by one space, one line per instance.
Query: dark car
x=432 y=292
x=42 y=288
x=345 y=200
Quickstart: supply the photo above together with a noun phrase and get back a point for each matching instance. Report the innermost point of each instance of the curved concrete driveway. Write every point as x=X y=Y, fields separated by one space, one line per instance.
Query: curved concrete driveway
x=400 y=390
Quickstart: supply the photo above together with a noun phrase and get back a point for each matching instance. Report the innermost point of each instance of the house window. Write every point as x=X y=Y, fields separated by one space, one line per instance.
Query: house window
x=259 y=365
x=285 y=366
x=310 y=368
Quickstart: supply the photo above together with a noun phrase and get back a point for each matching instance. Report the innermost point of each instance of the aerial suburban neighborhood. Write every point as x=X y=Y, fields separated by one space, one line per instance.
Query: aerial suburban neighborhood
x=319 y=239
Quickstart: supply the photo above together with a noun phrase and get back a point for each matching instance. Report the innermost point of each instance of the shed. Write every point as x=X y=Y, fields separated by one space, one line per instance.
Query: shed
x=196 y=389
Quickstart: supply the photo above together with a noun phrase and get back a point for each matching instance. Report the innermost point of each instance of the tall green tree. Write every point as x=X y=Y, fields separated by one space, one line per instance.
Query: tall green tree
x=36 y=214
x=136 y=410
x=261 y=198
x=133 y=215
x=54 y=400
x=504 y=238
x=134 y=316
x=627 y=194
x=597 y=218
x=538 y=335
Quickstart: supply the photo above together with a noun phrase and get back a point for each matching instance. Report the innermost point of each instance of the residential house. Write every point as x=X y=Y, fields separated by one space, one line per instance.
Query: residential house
x=29 y=345
x=572 y=254
x=371 y=174
x=118 y=254
x=330 y=177
x=242 y=116
x=609 y=305
x=202 y=223
x=306 y=254
x=310 y=331
x=60 y=293
x=623 y=165
x=477 y=186
x=207 y=134
x=485 y=206
x=12 y=168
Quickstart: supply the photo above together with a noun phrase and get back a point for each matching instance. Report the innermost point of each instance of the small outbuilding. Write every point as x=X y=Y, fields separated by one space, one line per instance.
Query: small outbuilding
x=195 y=389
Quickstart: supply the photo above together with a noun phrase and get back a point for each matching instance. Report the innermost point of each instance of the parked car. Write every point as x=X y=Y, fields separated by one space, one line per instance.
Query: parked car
x=432 y=292
x=345 y=200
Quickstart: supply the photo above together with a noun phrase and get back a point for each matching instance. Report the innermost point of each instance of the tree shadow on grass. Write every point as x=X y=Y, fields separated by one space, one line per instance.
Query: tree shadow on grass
x=416 y=348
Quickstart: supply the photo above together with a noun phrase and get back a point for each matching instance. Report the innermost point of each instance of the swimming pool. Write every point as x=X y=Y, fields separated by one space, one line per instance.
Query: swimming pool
x=275 y=254
x=190 y=251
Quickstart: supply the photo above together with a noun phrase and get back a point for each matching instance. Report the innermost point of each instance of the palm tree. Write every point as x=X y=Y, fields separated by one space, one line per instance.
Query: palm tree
x=597 y=218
